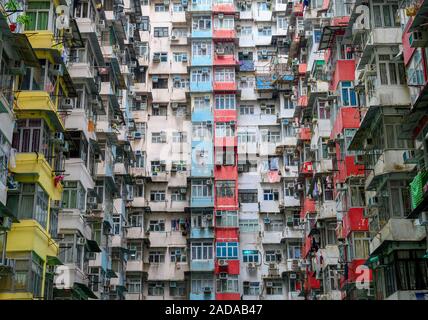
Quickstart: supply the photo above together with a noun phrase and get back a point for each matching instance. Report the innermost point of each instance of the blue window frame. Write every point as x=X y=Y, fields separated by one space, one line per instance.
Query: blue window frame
x=227 y=250
x=250 y=256
x=348 y=94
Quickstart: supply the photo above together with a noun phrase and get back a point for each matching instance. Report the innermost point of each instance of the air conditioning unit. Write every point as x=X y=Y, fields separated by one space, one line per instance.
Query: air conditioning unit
x=373 y=201
x=222 y=263
x=272 y=266
x=166 y=2
x=266 y=220
x=139 y=181
x=308 y=34
x=184 y=3
x=174 y=105
x=251 y=265
x=204 y=46
x=418 y=39
x=209 y=182
x=331 y=150
x=183 y=190
x=219 y=50
x=370 y=68
x=207 y=290
x=81 y=241
x=423 y=218
x=92 y=200
x=184 y=59
x=137 y=135
x=101 y=24
x=174 y=37
x=173 y=284
x=209 y=216
x=207 y=98
x=300 y=186
x=205 y=71
x=67 y=103
x=269 y=284
x=408 y=156
x=293 y=276
x=340 y=186
x=222 y=275
x=56 y=69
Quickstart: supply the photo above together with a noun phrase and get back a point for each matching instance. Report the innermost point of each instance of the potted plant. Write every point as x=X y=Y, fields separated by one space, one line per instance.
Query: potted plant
x=12 y=6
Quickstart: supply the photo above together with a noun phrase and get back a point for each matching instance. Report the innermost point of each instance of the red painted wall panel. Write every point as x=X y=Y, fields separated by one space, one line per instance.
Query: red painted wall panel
x=344 y=71
x=354 y=220
x=231 y=268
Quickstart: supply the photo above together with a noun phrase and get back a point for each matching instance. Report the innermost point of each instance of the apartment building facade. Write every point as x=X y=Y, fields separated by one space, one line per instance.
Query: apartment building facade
x=213 y=150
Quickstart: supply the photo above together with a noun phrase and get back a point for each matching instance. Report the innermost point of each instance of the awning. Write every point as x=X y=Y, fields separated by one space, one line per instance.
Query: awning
x=66 y=76
x=84 y=288
x=20 y=43
x=111 y=274
x=5 y=211
x=53 y=261
x=95 y=45
x=92 y=246
x=74 y=40
x=328 y=36
x=117 y=73
x=421 y=17
x=368 y=121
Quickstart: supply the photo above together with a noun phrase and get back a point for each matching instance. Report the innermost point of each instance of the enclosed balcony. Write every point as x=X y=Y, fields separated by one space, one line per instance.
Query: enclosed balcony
x=201 y=80
x=202 y=26
x=202 y=193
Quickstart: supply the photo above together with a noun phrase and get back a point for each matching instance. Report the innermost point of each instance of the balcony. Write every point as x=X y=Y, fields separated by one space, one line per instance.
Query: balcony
x=224 y=34
x=202 y=233
x=292 y=233
x=271 y=237
x=225 y=60
x=34 y=168
x=202 y=265
x=201 y=86
x=202 y=296
x=269 y=206
x=27 y=236
x=166 y=271
x=202 y=115
x=43 y=40
x=134 y=266
x=197 y=6
x=354 y=220
x=72 y=219
x=198 y=202
x=205 y=60
x=326 y=210
x=206 y=33
x=264 y=82
x=246 y=66
x=38 y=104
x=225 y=86
x=306 y=168
x=307 y=207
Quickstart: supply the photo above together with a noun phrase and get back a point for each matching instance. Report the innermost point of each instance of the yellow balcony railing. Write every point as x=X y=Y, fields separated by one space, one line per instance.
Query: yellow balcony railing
x=38 y=104
x=33 y=168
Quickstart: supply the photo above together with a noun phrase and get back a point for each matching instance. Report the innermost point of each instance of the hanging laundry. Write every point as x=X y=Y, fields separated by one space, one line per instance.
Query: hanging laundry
x=273 y=176
x=273 y=164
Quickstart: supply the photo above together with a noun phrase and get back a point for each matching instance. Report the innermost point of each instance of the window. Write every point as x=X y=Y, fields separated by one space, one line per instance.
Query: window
x=178 y=194
x=180 y=56
x=359 y=245
x=157 y=166
x=265 y=31
x=38 y=13
x=201 y=23
x=288 y=103
x=202 y=250
x=251 y=288
x=157 y=225
x=201 y=103
x=224 y=218
x=230 y=284
x=158 y=137
x=274 y=225
x=391 y=73
x=263 y=6
x=156 y=256
x=201 y=48
x=225 y=129
x=270 y=136
x=32 y=135
x=179 y=166
x=246 y=110
x=384 y=14
x=177 y=7
x=225 y=189
x=178 y=254
x=226 y=23
x=201 y=75
x=273 y=287
x=160 y=56
x=201 y=189
x=348 y=96
x=30 y=203
x=246 y=31
x=324 y=108
x=117 y=225
x=227 y=250
x=179 y=137
x=201 y=283
x=179 y=224
x=330 y=233
x=248 y=196
x=28 y=274
x=155 y=288
x=224 y=75
x=157 y=195
x=135 y=251
x=225 y=156
x=201 y=219
x=160 y=7
x=225 y=101
x=393 y=137
x=159 y=83
x=74 y=195
x=160 y=32
x=282 y=23
x=250 y=256
x=294 y=251
x=268 y=109
x=270 y=195
x=134 y=284
x=177 y=289
x=248 y=225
